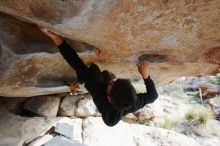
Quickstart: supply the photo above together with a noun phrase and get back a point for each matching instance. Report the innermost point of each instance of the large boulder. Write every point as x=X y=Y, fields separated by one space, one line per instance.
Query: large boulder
x=86 y=107
x=70 y=128
x=26 y=62
x=208 y=85
x=43 y=105
x=214 y=104
x=78 y=105
x=17 y=130
x=179 y=38
x=68 y=105
x=144 y=114
x=60 y=140
x=13 y=105
x=210 y=91
x=96 y=133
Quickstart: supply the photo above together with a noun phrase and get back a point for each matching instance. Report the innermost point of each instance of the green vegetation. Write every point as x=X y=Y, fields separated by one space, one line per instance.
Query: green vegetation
x=202 y=119
x=132 y=121
x=190 y=116
x=216 y=80
x=168 y=124
x=198 y=116
x=140 y=88
x=129 y=121
x=144 y=122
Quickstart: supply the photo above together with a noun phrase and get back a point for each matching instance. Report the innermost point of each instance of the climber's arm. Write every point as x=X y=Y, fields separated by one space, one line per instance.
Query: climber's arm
x=144 y=98
x=74 y=61
x=70 y=56
x=151 y=94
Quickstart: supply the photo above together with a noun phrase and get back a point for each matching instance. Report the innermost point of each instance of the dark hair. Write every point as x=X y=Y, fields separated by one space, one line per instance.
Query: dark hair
x=122 y=94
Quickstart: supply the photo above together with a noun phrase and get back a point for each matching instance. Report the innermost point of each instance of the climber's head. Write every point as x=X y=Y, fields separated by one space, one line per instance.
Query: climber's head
x=121 y=94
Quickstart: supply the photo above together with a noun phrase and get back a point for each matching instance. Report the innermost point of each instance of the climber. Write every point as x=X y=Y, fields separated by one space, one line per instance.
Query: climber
x=114 y=98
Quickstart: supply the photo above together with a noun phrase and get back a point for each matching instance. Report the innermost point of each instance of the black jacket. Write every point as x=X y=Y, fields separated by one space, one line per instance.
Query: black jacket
x=96 y=83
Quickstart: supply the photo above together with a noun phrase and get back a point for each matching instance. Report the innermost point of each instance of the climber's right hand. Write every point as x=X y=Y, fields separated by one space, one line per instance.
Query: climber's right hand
x=56 y=39
x=143 y=68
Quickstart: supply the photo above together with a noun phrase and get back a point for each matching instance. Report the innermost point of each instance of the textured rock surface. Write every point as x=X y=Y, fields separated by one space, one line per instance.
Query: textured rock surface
x=145 y=135
x=97 y=133
x=68 y=105
x=209 y=85
x=13 y=105
x=17 y=130
x=44 y=105
x=179 y=38
x=167 y=107
x=144 y=114
x=78 y=105
x=59 y=140
x=210 y=90
x=214 y=104
x=25 y=64
x=70 y=128
x=86 y=107
x=41 y=140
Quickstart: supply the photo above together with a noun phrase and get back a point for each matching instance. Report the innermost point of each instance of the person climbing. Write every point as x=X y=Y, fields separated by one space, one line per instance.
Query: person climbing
x=114 y=98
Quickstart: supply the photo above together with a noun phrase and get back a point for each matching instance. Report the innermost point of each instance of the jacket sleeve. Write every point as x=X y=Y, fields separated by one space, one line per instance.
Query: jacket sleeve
x=74 y=61
x=144 y=98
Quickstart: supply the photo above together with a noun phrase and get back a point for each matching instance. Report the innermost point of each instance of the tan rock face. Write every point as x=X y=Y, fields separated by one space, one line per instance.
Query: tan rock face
x=179 y=38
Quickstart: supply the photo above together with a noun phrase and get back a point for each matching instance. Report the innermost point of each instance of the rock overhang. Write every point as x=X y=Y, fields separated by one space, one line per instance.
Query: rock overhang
x=178 y=38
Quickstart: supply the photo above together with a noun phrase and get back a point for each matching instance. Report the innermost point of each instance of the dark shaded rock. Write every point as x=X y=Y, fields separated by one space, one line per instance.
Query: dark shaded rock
x=46 y=106
x=13 y=105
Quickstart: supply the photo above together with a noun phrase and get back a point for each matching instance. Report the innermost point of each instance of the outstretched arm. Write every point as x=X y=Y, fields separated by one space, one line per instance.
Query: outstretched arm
x=151 y=94
x=70 y=56
x=149 y=97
